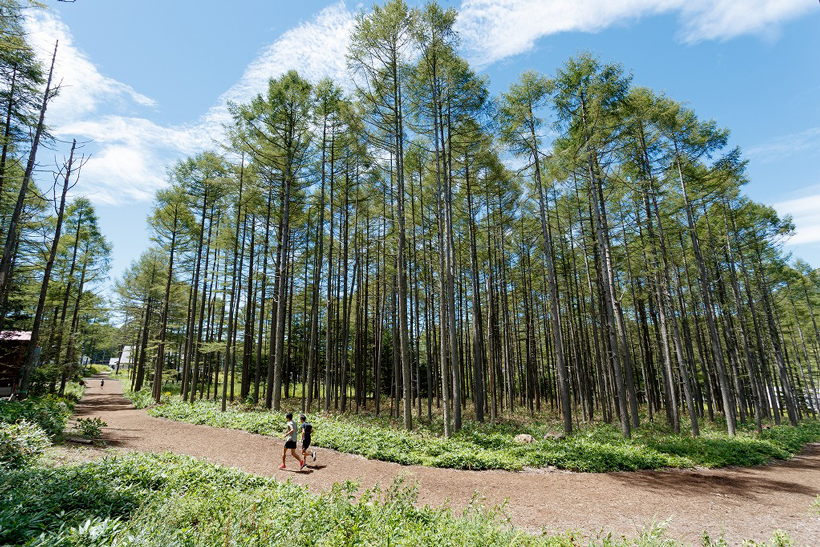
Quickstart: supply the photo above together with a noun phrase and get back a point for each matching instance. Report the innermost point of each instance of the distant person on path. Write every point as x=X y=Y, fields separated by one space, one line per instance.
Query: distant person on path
x=307 y=431
x=290 y=442
x=102 y=383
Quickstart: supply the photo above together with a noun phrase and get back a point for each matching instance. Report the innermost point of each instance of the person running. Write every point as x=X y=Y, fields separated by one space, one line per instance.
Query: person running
x=307 y=431
x=290 y=442
x=102 y=383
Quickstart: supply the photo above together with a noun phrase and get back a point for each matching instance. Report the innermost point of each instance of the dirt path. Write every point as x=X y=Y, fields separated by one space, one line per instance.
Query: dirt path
x=742 y=503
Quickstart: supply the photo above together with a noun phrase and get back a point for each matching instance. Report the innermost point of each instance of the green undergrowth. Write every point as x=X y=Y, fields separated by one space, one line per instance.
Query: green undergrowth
x=74 y=391
x=49 y=413
x=90 y=370
x=598 y=448
x=171 y=500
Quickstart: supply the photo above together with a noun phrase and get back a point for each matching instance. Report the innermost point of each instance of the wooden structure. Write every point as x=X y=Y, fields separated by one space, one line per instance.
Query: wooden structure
x=13 y=347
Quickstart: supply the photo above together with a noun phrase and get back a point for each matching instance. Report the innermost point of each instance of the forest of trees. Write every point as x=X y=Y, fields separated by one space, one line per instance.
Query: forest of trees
x=420 y=247
x=54 y=257
x=410 y=244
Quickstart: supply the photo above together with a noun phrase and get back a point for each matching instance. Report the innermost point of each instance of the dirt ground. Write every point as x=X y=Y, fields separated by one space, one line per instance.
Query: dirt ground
x=740 y=503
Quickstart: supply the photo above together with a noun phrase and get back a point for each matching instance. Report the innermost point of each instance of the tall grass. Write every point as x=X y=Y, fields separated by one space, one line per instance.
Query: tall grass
x=169 y=500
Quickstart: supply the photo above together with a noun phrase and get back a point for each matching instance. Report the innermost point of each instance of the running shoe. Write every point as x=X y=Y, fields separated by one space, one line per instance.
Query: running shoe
x=314 y=455
x=302 y=465
x=283 y=466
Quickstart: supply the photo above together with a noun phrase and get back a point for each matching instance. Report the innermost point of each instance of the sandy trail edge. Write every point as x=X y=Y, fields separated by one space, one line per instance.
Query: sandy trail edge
x=741 y=503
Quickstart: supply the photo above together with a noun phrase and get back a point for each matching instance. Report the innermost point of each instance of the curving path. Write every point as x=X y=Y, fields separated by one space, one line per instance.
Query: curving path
x=742 y=503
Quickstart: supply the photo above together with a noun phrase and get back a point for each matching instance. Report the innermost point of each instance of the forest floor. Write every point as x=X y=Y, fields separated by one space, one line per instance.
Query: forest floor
x=738 y=503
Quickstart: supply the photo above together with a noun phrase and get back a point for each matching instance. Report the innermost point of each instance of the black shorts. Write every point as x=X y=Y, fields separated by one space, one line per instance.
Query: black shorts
x=290 y=444
x=306 y=443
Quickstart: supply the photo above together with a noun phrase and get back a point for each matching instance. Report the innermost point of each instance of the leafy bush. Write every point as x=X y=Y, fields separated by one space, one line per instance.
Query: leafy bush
x=74 y=391
x=91 y=428
x=50 y=413
x=144 y=398
x=36 y=501
x=96 y=369
x=165 y=499
x=21 y=443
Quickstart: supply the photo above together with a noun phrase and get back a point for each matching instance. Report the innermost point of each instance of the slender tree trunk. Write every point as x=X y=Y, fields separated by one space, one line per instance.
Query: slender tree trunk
x=229 y=347
x=166 y=302
x=557 y=335
x=284 y=248
x=711 y=322
x=12 y=234
x=478 y=322
x=31 y=353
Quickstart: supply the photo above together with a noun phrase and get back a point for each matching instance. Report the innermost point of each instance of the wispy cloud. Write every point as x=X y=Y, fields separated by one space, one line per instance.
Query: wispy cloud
x=496 y=29
x=316 y=49
x=130 y=151
x=84 y=90
x=726 y=19
x=785 y=146
x=804 y=214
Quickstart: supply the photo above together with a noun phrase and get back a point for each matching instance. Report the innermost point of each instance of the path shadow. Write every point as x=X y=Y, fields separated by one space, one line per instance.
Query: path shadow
x=739 y=483
x=97 y=409
x=119 y=441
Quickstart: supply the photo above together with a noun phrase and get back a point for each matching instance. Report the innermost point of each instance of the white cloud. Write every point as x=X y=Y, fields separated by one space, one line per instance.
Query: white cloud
x=137 y=132
x=121 y=174
x=496 y=29
x=726 y=19
x=132 y=156
x=786 y=145
x=83 y=89
x=130 y=153
x=316 y=49
x=806 y=220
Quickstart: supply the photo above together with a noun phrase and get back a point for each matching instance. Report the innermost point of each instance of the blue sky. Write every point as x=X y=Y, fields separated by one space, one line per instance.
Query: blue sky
x=146 y=83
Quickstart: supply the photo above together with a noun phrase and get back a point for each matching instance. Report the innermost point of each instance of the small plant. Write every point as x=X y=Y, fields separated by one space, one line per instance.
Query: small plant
x=50 y=413
x=91 y=428
x=21 y=443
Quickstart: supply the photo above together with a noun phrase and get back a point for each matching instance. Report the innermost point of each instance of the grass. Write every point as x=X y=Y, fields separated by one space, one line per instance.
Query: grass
x=593 y=448
x=90 y=370
x=49 y=412
x=163 y=500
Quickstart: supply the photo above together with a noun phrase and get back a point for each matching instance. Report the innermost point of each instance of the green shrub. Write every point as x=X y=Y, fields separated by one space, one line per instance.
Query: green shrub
x=74 y=391
x=21 y=443
x=50 y=413
x=93 y=532
x=96 y=369
x=37 y=502
x=91 y=428
x=143 y=398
